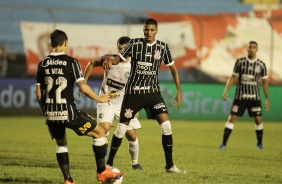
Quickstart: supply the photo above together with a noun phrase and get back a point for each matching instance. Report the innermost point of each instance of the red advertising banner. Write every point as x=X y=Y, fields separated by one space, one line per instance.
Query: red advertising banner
x=221 y=38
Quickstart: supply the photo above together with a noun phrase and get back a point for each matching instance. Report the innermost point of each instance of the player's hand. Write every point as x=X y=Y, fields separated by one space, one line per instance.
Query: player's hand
x=224 y=96
x=107 y=63
x=266 y=104
x=178 y=99
x=105 y=98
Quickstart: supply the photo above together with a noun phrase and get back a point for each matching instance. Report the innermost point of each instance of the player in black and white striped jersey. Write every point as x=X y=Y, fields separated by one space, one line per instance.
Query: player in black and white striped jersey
x=142 y=89
x=247 y=70
x=56 y=75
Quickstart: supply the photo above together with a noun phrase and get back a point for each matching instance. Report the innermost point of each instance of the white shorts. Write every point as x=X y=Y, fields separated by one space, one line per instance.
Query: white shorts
x=107 y=113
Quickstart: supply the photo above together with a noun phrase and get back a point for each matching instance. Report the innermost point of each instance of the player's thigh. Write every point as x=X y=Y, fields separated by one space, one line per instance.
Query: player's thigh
x=155 y=106
x=83 y=124
x=238 y=107
x=57 y=130
x=134 y=124
x=105 y=113
x=254 y=108
x=131 y=104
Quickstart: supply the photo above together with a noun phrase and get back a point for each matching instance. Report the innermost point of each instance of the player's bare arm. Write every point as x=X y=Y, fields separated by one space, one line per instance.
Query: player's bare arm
x=176 y=79
x=87 y=91
x=265 y=90
x=109 y=61
x=91 y=64
x=89 y=69
x=39 y=96
x=229 y=83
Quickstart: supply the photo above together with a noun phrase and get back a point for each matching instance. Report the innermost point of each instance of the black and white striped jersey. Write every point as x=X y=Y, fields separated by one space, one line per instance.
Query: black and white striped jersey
x=56 y=75
x=248 y=73
x=145 y=63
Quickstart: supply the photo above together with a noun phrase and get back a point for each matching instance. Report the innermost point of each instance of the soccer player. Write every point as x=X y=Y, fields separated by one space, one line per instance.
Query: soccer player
x=114 y=82
x=247 y=71
x=55 y=80
x=142 y=89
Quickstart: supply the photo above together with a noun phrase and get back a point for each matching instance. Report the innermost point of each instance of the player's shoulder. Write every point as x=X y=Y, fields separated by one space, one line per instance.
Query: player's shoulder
x=260 y=61
x=69 y=58
x=242 y=59
x=161 y=44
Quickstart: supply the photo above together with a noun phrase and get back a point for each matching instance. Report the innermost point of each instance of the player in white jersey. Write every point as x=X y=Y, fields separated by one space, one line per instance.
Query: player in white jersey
x=114 y=81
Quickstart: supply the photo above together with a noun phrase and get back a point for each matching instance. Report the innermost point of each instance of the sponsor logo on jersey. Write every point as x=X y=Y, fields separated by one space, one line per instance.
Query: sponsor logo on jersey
x=144 y=63
x=159 y=106
x=157 y=54
x=114 y=95
x=56 y=115
x=85 y=127
x=138 y=88
x=144 y=68
x=246 y=77
x=249 y=96
x=48 y=61
x=115 y=84
x=128 y=113
x=144 y=72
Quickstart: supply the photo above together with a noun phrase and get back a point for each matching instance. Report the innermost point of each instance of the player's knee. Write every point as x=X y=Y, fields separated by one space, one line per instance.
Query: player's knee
x=130 y=136
x=106 y=125
x=121 y=129
x=257 y=120
x=232 y=118
x=166 y=128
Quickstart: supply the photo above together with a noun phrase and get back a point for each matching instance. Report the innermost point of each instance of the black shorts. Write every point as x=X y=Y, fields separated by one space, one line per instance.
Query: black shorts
x=253 y=106
x=153 y=104
x=82 y=124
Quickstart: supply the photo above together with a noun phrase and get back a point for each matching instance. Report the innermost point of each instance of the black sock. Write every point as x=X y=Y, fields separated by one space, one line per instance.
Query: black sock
x=100 y=152
x=227 y=132
x=63 y=160
x=167 y=146
x=115 y=144
x=259 y=136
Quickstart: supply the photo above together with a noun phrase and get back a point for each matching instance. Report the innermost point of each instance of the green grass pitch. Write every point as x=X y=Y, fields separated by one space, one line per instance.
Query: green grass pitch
x=27 y=154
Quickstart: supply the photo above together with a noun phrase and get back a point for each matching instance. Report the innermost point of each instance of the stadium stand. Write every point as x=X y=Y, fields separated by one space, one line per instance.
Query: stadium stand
x=96 y=12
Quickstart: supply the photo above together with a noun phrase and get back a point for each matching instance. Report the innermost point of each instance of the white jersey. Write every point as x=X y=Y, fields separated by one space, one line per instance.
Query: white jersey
x=114 y=82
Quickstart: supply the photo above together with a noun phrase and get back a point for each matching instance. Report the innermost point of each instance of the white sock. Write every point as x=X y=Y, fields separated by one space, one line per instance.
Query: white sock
x=133 y=148
x=229 y=125
x=259 y=127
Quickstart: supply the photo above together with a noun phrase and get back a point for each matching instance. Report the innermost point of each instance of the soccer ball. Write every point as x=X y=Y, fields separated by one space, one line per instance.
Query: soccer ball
x=114 y=181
